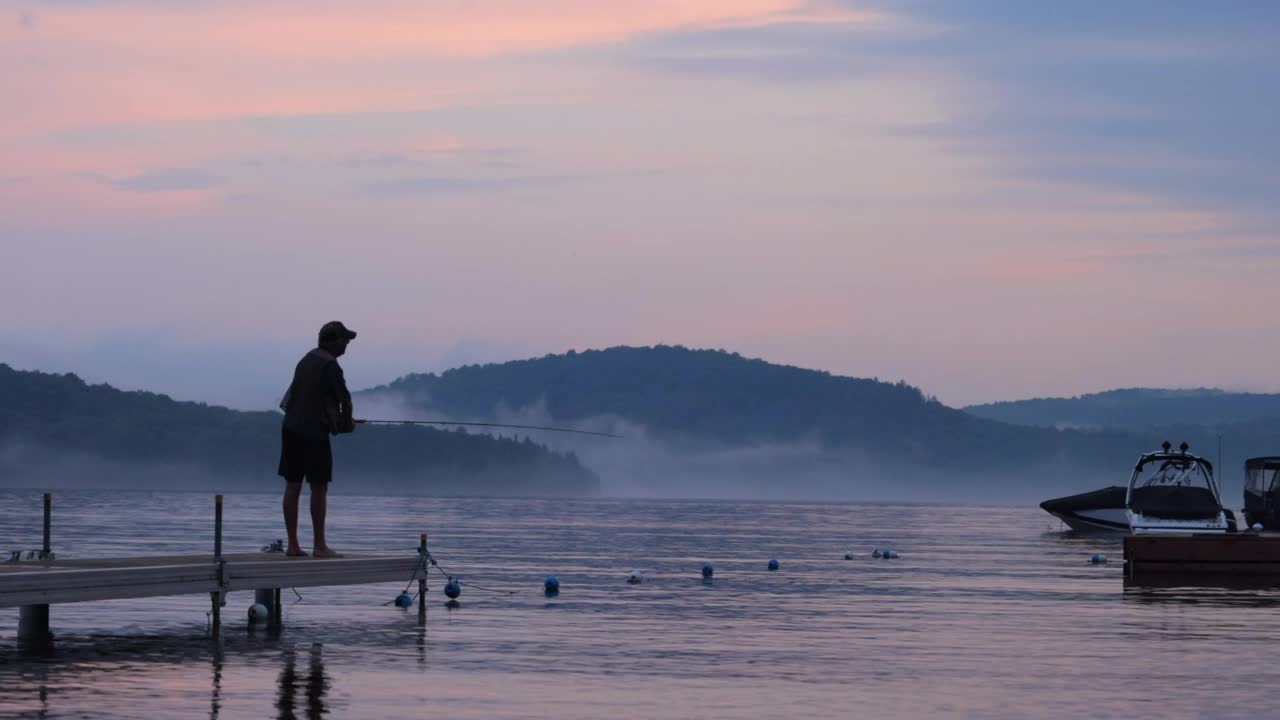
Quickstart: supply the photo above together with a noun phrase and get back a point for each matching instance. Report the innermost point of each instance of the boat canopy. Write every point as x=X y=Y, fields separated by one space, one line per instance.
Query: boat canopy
x=1261 y=475
x=1174 y=486
x=1162 y=458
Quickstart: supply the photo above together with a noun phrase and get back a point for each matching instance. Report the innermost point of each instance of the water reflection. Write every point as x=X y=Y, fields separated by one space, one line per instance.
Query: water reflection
x=420 y=640
x=1222 y=591
x=315 y=686
x=215 y=697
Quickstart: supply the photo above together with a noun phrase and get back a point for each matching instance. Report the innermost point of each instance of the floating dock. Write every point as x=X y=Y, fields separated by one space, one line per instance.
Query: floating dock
x=1246 y=556
x=43 y=580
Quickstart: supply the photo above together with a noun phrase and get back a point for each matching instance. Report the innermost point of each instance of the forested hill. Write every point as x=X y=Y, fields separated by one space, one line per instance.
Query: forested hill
x=684 y=395
x=708 y=393
x=56 y=430
x=1137 y=409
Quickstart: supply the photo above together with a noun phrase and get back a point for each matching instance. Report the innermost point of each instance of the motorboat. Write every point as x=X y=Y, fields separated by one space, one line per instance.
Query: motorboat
x=1094 y=511
x=1262 y=491
x=1168 y=492
x=1174 y=492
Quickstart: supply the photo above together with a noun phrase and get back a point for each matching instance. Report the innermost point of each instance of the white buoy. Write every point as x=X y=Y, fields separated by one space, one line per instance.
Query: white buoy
x=848 y=555
x=258 y=612
x=636 y=577
x=1256 y=527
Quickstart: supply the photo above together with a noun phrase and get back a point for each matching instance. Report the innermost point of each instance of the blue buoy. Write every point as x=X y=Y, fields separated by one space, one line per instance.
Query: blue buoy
x=773 y=564
x=848 y=555
x=404 y=600
x=453 y=588
x=552 y=585
x=889 y=554
x=707 y=570
x=1098 y=559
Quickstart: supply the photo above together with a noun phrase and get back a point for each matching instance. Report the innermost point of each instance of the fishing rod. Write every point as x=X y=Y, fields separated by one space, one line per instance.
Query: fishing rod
x=482 y=424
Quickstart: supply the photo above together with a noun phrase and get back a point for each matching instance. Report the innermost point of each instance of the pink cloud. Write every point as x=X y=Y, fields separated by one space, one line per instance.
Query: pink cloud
x=134 y=62
x=317 y=31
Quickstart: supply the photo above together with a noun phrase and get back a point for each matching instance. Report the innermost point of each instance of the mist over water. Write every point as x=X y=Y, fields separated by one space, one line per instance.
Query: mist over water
x=646 y=464
x=988 y=612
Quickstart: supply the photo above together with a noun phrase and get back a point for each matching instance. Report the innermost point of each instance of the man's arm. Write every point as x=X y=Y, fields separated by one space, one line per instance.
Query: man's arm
x=344 y=422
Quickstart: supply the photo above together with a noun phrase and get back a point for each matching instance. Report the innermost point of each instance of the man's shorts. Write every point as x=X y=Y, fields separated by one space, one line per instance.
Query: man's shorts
x=305 y=456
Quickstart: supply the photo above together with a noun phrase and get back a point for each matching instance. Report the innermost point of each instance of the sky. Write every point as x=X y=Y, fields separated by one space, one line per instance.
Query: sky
x=990 y=200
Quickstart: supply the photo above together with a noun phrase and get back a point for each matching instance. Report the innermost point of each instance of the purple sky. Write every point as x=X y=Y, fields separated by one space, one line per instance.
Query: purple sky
x=990 y=200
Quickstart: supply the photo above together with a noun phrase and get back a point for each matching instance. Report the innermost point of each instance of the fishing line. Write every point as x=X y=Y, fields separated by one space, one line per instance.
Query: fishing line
x=483 y=424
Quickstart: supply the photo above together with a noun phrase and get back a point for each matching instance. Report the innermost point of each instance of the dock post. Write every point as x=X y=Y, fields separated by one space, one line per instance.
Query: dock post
x=422 y=581
x=217 y=527
x=47 y=548
x=33 y=627
x=33 y=620
x=270 y=599
x=216 y=597
x=215 y=622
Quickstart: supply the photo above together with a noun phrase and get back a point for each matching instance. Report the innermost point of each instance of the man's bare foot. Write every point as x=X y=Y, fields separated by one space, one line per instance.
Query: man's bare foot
x=296 y=551
x=326 y=552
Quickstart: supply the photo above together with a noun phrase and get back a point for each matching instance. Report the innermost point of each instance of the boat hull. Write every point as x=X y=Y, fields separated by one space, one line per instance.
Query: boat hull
x=1096 y=520
x=1097 y=511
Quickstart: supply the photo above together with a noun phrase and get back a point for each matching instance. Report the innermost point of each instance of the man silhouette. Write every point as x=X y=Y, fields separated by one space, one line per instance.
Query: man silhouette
x=316 y=406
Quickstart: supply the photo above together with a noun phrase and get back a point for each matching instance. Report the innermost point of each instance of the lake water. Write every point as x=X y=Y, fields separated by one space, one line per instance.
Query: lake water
x=988 y=612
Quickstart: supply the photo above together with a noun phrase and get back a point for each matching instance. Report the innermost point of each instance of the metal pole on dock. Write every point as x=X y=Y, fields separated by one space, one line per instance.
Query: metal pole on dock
x=33 y=620
x=422 y=581
x=217 y=527
x=216 y=597
x=47 y=548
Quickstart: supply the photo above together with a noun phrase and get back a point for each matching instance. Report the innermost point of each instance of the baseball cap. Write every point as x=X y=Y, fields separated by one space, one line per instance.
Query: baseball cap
x=335 y=329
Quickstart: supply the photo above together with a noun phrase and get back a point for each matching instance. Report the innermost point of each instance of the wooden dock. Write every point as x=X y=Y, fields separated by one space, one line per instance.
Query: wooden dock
x=66 y=581
x=43 y=580
x=1246 y=556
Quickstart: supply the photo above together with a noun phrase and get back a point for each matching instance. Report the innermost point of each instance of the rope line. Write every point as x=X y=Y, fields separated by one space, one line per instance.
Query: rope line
x=423 y=558
x=471 y=584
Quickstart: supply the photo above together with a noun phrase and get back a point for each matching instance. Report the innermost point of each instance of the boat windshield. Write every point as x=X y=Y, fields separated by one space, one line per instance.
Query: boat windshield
x=1174 y=486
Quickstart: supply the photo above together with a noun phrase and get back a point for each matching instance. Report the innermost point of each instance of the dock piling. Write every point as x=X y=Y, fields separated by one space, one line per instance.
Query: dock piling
x=217 y=527
x=422 y=580
x=33 y=620
x=270 y=599
x=33 y=626
x=215 y=617
x=47 y=548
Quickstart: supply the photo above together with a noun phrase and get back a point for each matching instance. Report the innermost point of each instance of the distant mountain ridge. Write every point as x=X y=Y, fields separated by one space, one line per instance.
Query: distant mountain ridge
x=57 y=429
x=674 y=390
x=1136 y=409
x=859 y=428
x=683 y=395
